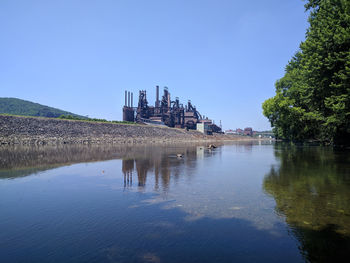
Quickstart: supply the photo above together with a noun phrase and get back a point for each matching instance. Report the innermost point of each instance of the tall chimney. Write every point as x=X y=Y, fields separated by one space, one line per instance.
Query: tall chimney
x=169 y=100
x=132 y=99
x=157 y=96
x=128 y=98
x=125 y=98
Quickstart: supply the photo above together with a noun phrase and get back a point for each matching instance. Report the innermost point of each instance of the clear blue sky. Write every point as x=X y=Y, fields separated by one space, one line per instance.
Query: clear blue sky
x=80 y=56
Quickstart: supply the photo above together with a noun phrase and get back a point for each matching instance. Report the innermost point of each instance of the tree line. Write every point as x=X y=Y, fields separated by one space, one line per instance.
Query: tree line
x=312 y=100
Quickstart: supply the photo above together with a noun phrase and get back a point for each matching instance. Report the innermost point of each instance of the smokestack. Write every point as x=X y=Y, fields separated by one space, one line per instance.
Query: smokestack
x=169 y=100
x=157 y=96
x=125 y=98
x=132 y=94
x=128 y=98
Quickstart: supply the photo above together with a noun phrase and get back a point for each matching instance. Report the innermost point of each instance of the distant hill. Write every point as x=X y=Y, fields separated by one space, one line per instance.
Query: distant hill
x=27 y=108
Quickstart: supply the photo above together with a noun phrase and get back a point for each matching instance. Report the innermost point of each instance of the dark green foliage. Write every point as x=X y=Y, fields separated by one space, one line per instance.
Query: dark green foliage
x=312 y=100
x=26 y=108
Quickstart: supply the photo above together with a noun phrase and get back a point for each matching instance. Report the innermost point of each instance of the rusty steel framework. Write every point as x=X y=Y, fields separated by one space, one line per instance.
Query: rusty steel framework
x=164 y=112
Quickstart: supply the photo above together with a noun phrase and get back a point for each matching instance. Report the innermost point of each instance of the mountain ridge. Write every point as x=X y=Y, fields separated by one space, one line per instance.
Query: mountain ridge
x=15 y=106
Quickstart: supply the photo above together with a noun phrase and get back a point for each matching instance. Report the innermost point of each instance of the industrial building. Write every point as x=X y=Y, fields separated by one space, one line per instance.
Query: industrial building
x=166 y=112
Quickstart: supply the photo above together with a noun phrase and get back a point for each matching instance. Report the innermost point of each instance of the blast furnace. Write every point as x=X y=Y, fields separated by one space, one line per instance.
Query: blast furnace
x=165 y=111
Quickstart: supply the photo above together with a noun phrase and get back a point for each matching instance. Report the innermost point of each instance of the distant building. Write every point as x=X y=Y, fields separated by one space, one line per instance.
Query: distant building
x=239 y=131
x=248 y=131
x=230 y=132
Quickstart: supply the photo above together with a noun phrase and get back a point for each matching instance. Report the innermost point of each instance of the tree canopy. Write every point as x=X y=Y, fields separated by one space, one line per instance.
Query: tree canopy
x=312 y=100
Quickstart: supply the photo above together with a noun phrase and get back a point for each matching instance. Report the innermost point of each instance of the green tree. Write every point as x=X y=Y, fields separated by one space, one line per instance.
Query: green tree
x=312 y=100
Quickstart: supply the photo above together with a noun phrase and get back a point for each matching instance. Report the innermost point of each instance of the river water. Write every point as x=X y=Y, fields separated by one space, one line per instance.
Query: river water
x=243 y=202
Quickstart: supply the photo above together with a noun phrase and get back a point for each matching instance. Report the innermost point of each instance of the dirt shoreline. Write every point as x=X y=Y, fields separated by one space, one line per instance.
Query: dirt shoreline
x=38 y=131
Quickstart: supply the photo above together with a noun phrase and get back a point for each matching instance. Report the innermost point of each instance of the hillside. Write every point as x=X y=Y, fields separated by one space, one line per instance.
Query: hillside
x=27 y=108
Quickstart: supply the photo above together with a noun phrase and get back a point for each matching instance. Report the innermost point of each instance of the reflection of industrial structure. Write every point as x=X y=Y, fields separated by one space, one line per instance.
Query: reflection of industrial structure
x=165 y=112
x=127 y=168
x=160 y=164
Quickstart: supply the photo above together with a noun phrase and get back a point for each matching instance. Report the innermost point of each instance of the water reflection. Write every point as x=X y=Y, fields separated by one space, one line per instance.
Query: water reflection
x=312 y=190
x=145 y=204
x=18 y=161
x=161 y=163
x=139 y=161
x=128 y=168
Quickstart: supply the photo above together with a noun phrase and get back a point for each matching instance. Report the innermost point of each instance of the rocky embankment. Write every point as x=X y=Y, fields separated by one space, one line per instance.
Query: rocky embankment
x=31 y=130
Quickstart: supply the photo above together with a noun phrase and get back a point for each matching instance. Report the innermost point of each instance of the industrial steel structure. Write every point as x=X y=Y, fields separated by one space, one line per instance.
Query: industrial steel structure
x=164 y=112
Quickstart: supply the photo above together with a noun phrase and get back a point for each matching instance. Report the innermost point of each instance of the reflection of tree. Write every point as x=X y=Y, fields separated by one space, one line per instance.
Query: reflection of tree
x=311 y=188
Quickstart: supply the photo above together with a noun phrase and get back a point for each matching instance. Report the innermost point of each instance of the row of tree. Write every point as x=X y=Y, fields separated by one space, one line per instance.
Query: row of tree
x=312 y=100
x=72 y=117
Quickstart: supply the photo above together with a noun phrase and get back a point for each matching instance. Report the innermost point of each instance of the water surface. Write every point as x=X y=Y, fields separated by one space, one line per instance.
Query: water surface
x=245 y=202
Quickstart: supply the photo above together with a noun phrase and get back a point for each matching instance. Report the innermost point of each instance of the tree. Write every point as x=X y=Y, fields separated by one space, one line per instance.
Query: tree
x=312 y=100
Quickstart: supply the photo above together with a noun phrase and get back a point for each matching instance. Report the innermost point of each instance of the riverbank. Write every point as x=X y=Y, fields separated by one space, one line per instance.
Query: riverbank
x=52 y=131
